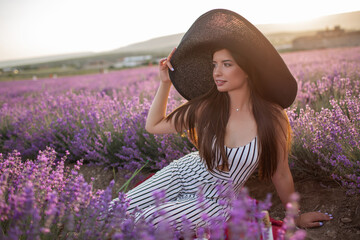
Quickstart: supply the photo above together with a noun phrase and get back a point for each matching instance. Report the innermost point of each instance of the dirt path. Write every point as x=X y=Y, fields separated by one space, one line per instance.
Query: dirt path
x=316 y=194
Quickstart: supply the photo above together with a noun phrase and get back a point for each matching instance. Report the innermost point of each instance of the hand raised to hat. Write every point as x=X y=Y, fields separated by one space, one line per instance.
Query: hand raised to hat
x=164 y=66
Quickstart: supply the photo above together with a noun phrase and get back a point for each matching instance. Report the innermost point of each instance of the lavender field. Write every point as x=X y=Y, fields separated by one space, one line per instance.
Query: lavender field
x=100 y=119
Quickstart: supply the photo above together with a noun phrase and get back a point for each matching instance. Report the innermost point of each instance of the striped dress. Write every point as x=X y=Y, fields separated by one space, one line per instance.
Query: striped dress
x=183 y=178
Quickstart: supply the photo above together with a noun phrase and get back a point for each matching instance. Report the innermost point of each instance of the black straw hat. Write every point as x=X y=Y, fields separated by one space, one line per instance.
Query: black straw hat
x=192 y=59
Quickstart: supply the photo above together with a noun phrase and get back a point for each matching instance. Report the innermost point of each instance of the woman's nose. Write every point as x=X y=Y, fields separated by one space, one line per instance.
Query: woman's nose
x=216 y=71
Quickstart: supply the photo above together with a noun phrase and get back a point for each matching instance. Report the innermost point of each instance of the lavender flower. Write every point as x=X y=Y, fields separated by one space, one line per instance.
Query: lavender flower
x=71 y=209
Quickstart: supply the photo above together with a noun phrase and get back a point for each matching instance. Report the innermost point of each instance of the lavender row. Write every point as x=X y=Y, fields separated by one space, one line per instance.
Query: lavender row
x=97 y=128
x=100 y=125
x=329 y=141
x=42 y=199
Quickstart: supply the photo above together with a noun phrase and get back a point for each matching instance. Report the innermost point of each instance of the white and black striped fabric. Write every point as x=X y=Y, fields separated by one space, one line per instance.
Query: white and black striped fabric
x=182 y=179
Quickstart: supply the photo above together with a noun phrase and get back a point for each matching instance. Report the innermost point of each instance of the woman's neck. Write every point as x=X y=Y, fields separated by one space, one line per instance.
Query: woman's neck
x=240 y=100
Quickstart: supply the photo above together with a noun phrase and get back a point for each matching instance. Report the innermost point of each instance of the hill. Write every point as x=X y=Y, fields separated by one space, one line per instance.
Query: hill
x=280 y=35
x=349 y=21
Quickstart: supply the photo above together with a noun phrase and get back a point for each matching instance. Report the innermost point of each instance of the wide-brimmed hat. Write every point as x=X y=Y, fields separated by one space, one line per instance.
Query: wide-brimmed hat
x=192 y=59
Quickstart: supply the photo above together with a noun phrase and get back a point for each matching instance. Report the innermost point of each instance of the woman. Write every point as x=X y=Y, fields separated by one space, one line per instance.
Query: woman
x=237 y=86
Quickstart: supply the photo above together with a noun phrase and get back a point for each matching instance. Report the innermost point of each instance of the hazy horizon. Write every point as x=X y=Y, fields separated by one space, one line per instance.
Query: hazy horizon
x=42 y=28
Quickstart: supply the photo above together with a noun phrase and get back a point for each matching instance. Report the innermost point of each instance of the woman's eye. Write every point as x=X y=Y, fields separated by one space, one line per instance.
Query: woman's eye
x=227 y=64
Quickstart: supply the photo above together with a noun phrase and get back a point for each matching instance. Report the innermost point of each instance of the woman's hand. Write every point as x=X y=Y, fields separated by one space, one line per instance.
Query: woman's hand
x=164 y=66
x=312 y=219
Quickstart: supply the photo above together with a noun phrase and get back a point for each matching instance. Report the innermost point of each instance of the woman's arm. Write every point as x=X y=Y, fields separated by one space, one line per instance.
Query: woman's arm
x=283 y=181
x=284 y=185
x=155 y=121
x=282 y=178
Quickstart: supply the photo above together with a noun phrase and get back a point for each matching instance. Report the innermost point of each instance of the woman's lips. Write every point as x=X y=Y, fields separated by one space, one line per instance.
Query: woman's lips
x=219 y=82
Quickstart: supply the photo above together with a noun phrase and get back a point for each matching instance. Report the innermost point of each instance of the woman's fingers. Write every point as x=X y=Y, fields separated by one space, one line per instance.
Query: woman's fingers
x=170 y=66
x=313 y=219
x=169 y=58
x=166 y=61
x=314 y=224
x=322 y=217
x=318 y=219
x=163 y=61
x=172 y=53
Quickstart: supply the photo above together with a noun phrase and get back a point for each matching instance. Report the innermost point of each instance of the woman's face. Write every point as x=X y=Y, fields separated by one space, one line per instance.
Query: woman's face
x=227 y=74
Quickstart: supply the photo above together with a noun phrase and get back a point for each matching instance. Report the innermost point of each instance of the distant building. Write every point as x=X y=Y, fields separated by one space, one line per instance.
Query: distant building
x=132 y=61
x=328 y=38
x=10 y=70
x=96 y=64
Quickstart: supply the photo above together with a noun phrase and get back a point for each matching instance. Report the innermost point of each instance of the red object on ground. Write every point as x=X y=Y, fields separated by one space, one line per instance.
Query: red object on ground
x=276 y=224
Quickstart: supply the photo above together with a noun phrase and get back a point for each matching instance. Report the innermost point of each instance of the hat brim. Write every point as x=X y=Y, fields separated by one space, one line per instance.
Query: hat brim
x=192 y=59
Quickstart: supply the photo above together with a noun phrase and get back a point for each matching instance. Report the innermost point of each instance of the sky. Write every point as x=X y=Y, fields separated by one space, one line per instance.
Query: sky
x=35 y=28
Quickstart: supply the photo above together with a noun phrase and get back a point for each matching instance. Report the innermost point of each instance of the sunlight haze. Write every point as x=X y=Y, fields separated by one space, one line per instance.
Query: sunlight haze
x=32 y=28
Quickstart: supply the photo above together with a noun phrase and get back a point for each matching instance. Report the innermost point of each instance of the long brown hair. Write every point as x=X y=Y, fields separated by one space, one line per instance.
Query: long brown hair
x=206 y=118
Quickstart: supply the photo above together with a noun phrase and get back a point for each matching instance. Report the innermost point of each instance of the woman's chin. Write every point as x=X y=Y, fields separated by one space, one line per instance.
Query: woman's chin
x=221 y=89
